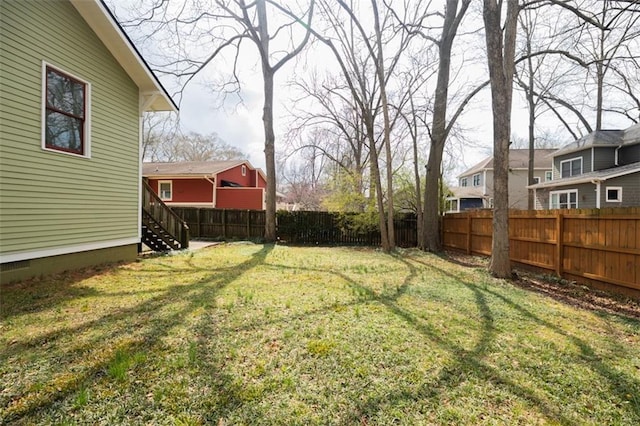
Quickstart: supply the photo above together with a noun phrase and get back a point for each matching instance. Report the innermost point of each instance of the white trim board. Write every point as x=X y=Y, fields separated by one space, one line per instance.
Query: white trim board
x=57 y=251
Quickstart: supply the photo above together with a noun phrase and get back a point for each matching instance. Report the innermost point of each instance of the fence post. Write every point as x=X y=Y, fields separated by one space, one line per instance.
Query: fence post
x=468 y=233
x=559 y=248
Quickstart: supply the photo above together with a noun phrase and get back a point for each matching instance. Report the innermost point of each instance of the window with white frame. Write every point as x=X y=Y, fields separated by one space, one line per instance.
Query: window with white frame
x=564 y=199
x=65 y=115
x=476 y=179
x=452 y=205
x=165 y=190
x=548 y=175
x=614 y=194
x=536 y=180
x=244 y=170
x=463 y=181
x=572 y=167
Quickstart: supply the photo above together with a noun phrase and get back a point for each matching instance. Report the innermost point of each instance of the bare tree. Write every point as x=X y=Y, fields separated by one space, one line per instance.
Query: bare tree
x=370 y=91
x=303 y=180
x=157 y=129
x=601 y=38
x=501 y=46
x=615 y=26
x=415 y=115
x=225 y=24
x=440 y=128
x=327 y=123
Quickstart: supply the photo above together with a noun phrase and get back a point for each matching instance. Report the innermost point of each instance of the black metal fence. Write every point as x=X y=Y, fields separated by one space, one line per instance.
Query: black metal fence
x=299 y=228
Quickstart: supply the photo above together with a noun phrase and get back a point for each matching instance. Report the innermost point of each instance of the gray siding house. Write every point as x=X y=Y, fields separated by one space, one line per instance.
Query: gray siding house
x=599 y=170
x=475 y=186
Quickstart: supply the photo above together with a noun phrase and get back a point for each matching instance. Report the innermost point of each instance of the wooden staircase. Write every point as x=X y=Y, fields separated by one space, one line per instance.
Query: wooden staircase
x=162 y=229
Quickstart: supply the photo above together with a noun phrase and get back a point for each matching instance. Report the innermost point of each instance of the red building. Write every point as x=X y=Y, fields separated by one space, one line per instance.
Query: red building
x=218 y=184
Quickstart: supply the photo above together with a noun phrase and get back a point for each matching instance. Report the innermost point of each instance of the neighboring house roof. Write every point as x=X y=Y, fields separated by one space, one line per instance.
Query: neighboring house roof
x=518 y=160
x=466 y=192
x=598 y=175
x=631 y=135
x=603 y=138
x=193 y=168
x=98 y=16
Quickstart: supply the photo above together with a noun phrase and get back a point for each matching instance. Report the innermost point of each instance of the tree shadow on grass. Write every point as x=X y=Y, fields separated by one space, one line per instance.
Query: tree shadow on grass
x=465 y=362
x=139 y=328
x=619 y=383
x=37 y=294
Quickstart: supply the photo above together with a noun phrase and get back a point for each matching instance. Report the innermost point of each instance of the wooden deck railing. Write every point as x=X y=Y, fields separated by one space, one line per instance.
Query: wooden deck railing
x=164 y=216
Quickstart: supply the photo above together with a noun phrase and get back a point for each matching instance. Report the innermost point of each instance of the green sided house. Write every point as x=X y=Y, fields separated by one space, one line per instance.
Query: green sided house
x=72 y=92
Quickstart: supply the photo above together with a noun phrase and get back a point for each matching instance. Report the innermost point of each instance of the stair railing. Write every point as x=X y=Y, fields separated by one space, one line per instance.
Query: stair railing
x=161 y=213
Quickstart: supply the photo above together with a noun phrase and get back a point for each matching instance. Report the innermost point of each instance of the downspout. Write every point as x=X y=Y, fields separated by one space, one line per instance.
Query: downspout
x=213 y=196
x=484 y=182
x=597 y=184
x=616 y=156
x=593 y=160
x=485 y=201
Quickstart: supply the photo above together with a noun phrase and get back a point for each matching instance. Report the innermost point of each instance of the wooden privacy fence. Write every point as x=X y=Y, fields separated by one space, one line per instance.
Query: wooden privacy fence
x=302 y=227
x=599 y=245
x=223 y=223
x=330 y=228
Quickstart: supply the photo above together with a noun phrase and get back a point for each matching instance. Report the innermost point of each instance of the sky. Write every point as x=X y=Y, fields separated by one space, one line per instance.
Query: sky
x=239 y=122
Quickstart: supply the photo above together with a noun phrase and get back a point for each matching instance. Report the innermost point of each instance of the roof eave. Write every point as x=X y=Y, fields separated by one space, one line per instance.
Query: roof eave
x=596 y=145
x=588 y=179
x=104 y=24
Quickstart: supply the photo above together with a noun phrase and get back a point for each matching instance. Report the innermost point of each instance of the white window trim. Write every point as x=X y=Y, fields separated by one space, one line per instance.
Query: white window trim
x=170 y=182
x=87 y=112
x=464 y=182
x=565 y=191
x=548 y=175
x=536 y=180
x=244 y=170
x=606 y=191
x=571 y=160
x=473 y=179
x=450 y=201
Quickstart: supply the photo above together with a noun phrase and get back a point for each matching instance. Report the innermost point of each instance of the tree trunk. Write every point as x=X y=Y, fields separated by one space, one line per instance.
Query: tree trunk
x=532 y=150
x=267 y=120
x=431 y=198
x=432 y=234
x=377 y=184
x=387 y=127
x=269 y=156
x=501 y=67
x=530 y=93
x=416 y=174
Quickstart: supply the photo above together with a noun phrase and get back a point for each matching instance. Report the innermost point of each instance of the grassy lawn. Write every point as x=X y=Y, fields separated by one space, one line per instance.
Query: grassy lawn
x=252 y=334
